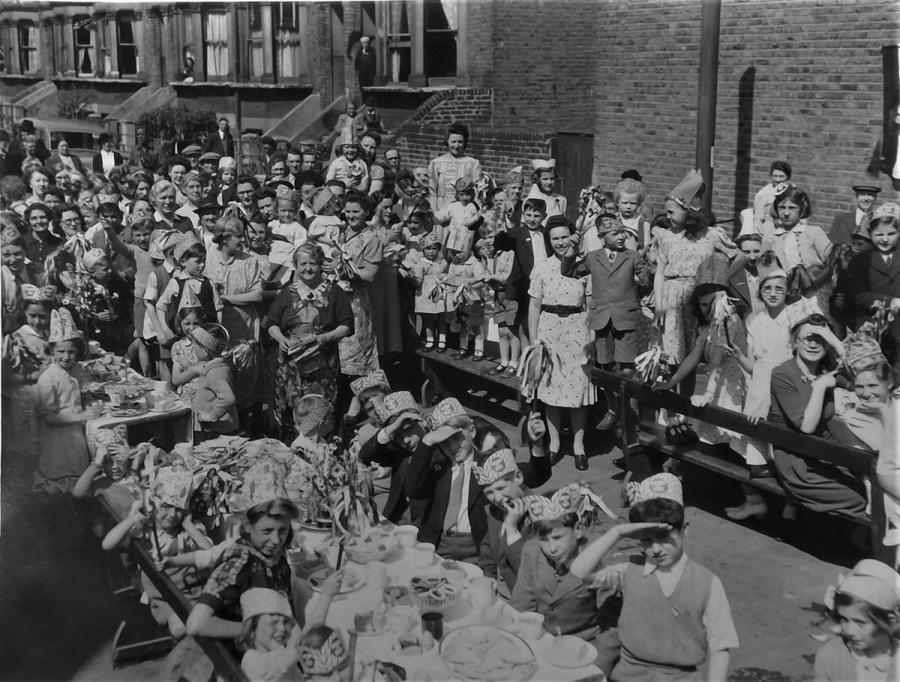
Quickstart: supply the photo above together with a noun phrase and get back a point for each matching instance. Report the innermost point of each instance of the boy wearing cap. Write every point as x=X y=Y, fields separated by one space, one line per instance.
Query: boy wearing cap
x=847 y=224
x=543 y=176
x=392 y=446
x=455 y=520
x=675 y=614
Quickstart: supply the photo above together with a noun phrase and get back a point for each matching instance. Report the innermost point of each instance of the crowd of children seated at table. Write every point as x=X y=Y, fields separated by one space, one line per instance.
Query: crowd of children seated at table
x=280 y=308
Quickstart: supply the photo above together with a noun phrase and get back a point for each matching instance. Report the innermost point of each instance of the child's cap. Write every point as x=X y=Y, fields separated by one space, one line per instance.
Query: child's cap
x=286 y=193
x=208 y=208
x=185 y=242
x=465 y=185
x=429 y=239
x=174 y=487
x=441 y=414
x=324 y=659
x=258 y=601
x=689 y=192
x=227 y=162
x=10 y=235
x=162 y=242
x=62 y=326
x=34 y=294
x=376 y=379
x=866 y=185
x=399 y=406
x=610 y=224
x=659 y=486
x=495 y=467
x=92 y=257
x=873 y=582
x=107 y=200
x=212 y=337
x=886 y=210
x=538 y=165
x=514 y=175
x=210 y=156
x=862 y=351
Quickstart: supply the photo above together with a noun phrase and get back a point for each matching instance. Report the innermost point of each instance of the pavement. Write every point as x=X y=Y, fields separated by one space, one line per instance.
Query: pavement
x=56 y=584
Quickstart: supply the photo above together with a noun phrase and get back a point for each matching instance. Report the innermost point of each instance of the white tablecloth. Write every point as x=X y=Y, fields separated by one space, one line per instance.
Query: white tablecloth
x=427 y=667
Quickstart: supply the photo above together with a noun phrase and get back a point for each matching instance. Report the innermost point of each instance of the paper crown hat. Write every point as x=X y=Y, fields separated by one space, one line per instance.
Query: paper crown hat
x=689 y=192
x=460 y=240
x=323 y=660
x=348 y=134
x=441 y=414
x=573 y=498
x=286 y=193
x=174 y=487
x=227 y=162
x=464 y=185
x=258 y=601
x=396 y=404
x=886 y=210
x=62 y=326
x=376 y=379
x=871 y=581
x=92 y=257
x=862 y=351
x=495 y=467
x=713 y=270
x=543 y=164
x=33 y=294
x=317 y=410
x=107 y=199
x=10 y=235
x=163 y=240
x=659 y=486
x=211 y=336
x=186 y=241
x=514 y=175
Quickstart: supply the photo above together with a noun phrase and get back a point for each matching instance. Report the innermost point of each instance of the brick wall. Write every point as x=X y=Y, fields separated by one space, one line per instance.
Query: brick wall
x=319 y=52
x=799 y=81
x=544 y=61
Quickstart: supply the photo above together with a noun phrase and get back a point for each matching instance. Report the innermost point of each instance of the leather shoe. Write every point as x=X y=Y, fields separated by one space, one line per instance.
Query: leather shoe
x=760 y=471
x=581 y=462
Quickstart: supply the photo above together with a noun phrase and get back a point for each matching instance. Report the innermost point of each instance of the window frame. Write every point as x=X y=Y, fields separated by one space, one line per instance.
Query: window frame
x=32 y=50
x=130 y=17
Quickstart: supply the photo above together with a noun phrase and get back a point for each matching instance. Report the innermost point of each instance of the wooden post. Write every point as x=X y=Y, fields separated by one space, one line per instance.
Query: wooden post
x=706 y=94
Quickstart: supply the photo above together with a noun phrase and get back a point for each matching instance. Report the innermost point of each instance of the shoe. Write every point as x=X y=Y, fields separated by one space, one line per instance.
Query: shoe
x=555 y=457
x=441 y=347
x=581 y=461
x=429 y=345
x=511 y=371
x=461 y=354
x=494 y=371
x=748 y=510
x=789 y=513
x=477 y=356
x=760 y=471
x=609 y=420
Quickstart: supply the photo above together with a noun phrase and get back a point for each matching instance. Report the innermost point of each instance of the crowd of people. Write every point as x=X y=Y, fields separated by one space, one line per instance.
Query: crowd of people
x=278 y=307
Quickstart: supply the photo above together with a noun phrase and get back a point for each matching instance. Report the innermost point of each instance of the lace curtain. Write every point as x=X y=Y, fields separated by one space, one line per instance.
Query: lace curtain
x=216 y=31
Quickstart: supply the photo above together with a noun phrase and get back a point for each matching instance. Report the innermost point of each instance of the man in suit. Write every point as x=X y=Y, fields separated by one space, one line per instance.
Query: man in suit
x=221 y=142
x=455 y=519
x=527 y=242
x=847 y=224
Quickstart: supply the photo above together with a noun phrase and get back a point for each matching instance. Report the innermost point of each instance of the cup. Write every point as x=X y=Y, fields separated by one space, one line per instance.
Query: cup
x=433 y=622
x=531 y=625
x=376 y=575
x=407 y=536
x=483 y=592
x=423 y=554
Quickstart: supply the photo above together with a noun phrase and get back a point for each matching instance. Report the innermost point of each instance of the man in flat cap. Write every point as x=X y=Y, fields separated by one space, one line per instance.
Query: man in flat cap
x=847 y=224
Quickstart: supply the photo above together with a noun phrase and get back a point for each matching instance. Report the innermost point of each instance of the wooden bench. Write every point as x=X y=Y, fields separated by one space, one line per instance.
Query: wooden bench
x=227 y=667
x=442 y=370
x=636 y=433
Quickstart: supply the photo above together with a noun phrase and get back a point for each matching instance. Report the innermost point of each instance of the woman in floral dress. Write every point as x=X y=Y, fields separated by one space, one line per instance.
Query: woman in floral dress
x=558 y=319
x=307 y=320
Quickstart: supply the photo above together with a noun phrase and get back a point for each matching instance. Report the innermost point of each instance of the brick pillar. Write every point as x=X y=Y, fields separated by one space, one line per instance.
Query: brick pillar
x=47 y=53
x=151 y=46
x=352 y=22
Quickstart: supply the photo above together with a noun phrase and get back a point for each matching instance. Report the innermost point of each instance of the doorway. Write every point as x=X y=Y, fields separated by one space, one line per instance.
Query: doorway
x=574 y=154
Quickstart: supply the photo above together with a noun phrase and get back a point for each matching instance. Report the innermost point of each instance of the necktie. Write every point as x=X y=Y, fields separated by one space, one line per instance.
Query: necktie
x=612 y=256
x=455 y=502
x=889 y=260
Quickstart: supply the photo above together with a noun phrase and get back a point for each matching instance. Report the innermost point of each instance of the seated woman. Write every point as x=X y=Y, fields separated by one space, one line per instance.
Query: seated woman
x=803 y=401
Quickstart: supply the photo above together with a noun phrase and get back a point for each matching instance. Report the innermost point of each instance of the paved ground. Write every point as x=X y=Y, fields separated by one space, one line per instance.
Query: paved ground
x=55 y=583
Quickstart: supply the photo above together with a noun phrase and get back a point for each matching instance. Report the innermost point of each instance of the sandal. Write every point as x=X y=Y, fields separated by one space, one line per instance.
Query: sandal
x=494 y=371
x=461 y=354
x=477 y=356
x=429 y=345
x=511 y=371
x=442 y=346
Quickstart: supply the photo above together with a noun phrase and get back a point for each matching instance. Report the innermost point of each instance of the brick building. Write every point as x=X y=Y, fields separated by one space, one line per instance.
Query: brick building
x=800 y=81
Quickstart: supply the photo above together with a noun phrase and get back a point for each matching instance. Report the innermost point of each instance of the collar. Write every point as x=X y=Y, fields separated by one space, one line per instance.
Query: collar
x=466 y=464
x=796 y=229
x=169 y=267
x=675 y=570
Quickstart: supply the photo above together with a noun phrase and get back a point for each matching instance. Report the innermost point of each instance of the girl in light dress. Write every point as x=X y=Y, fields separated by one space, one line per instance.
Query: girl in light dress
x=186 y=366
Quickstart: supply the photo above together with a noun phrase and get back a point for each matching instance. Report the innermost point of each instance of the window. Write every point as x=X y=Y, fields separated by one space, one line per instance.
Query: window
x=83 y=29
x=287 y=40
x=28 y=47
x=215 y=38
x=399 y=42
x=127 y=47
x=440 y=37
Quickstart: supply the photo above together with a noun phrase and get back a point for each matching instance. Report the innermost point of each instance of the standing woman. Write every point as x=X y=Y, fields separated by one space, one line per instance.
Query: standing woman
x=163 y=198
x=38 y=182
x=307 y=319
x=236 y=276
x=803 y=401
x=445 y=170
x=107 y=158
x=557 y=317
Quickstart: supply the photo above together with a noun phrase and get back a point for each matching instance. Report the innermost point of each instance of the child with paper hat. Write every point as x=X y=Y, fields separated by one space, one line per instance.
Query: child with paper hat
x=275 y=645
x=465 y=293
x=675 y=613
x=461 y=216
x=64 y=453
x=168 y=533
x=214 y=403
x=348 y=167
x=866 y=607
x=543 y=176
x=545 y=582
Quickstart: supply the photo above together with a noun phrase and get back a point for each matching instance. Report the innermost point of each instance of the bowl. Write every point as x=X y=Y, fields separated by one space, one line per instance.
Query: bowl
x=376 y=546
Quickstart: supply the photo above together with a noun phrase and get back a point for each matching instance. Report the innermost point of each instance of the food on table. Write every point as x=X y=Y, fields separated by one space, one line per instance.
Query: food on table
x=482 y=652
x=396 y=595
x=433 y=594
x=370 y=622
x=410 y=645
x=352 y=581
x=374 y=545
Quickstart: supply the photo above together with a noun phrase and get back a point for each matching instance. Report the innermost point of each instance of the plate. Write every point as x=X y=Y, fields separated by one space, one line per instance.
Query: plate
x=569 y=651
x=352 y=581
x=133 y=412
x=483 y=653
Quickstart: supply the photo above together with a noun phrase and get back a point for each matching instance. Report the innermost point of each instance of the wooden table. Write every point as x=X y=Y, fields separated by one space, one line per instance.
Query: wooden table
x=169 y=427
